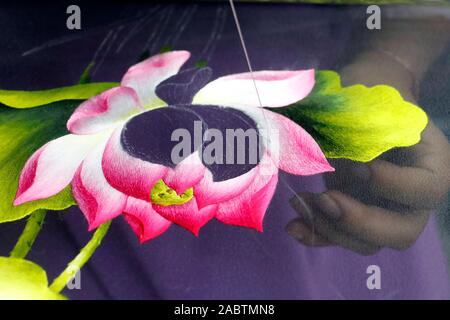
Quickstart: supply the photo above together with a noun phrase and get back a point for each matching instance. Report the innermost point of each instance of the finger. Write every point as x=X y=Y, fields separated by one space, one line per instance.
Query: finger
x=326 y=231
x=340 y=179
x=369 y=224
x=353 y=179
x=419 y=178
x=418 y=188
x=301 y=232
x=434 y=140
x=433 y=153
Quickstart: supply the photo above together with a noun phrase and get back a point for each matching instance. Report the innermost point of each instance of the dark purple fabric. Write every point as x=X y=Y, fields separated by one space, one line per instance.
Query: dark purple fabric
x=147 y=136
x=181 y=88
x=224 y=262
x=223 y=119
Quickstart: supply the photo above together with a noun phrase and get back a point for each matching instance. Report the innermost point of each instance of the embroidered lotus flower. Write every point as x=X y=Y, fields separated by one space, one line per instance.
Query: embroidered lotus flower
x=118 y=156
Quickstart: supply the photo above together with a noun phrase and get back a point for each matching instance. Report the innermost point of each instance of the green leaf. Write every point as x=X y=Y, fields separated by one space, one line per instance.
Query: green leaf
x=86 y=75
x=201 y=63
x=24 y=280
x=23 y=131
x=165 y=48
x=29 y=99
x=346 y=2
x=356 y=122
x=144 y=55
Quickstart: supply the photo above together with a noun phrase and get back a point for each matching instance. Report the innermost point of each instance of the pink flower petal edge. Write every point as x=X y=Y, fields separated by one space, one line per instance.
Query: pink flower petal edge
x=98 y=201
x=186 y=174
x=208 y=191
x=296 y=151
x=187 y=215
x=146 y=75
x=249 y=208
x=104 y=111
x=275 y=89
x=52 y=167
x=128 y=174
x=146 y=223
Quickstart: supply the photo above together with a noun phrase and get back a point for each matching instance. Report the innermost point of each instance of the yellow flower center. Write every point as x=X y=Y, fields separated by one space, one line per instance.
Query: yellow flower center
x=161 y=194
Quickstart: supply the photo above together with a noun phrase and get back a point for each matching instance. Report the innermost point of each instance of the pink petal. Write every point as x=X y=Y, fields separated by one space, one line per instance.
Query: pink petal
x=51 y=168
x=249 y=208
x=209 y=192
x=186 y=174
x=96 y=198
x=104 y=111
x=187 y=215
x=275 y=89
x=297 y=152
x=291 y=148
x=130 y=175
x=146 y=223
x=146 y=75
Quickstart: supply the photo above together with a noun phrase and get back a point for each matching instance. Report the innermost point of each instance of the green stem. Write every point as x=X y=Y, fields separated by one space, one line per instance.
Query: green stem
x=80 y=260
x=29 y=234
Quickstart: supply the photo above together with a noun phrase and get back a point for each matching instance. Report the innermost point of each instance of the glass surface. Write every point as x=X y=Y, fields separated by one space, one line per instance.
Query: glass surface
x=410 y=51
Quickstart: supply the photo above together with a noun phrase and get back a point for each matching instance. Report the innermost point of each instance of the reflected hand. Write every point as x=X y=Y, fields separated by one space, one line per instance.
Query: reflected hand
x=383 y=203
